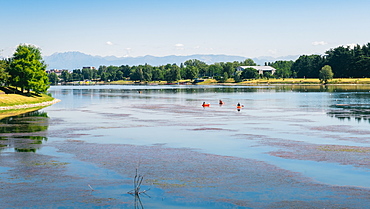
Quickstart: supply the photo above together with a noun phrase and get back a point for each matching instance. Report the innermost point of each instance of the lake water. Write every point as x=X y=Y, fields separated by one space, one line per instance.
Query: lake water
x=318 y=134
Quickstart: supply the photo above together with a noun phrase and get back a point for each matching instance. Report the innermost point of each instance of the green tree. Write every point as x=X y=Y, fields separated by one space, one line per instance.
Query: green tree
x=237 y=77
x=4 y=75
x=77 y=75
x=87 y=73
x=137 y=75
x=173 y=74
x=66 y=76
x=53 y=78
x=326 y=74
x=248 y=62
x=119 y=75
x=126 y=70
x=191 y=72
x=308 y=66
x=157 y=74
x=27 y=69
x=200 y=65
x=249 y=73
x=341 y=60
x=147 y=72
x=224 y=78
x=215 y=69
x=228 y=68
x=283 y=68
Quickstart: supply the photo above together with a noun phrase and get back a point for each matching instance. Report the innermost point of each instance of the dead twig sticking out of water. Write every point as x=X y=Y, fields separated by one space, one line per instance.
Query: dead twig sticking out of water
x=138 y=180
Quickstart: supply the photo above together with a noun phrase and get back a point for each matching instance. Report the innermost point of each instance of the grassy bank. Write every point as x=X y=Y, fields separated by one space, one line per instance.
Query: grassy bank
x=11 y=97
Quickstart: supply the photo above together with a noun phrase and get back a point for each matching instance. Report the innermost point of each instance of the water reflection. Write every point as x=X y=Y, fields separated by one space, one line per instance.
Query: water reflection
x=323 y=88
x=25 y=132
x=358 y=112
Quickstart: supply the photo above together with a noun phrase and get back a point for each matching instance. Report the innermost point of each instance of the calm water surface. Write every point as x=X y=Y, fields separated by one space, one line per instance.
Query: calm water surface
x=172 y=116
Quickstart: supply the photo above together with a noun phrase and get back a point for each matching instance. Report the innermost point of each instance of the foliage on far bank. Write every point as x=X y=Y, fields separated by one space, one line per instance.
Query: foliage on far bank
x=346 y=62
x=326 y=74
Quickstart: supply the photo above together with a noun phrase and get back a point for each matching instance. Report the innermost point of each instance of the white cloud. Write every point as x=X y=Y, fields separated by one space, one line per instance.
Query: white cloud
x=109 y=43
x=179 y=45
x=319 y=43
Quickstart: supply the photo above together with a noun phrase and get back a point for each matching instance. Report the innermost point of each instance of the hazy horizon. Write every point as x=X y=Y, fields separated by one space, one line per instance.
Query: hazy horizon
x=123 y=28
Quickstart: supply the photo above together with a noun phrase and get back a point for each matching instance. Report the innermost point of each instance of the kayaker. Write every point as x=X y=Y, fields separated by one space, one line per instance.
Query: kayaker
x=205 y=105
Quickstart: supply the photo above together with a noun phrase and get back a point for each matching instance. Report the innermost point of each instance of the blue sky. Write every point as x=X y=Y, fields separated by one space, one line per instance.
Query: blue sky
x=167 y=27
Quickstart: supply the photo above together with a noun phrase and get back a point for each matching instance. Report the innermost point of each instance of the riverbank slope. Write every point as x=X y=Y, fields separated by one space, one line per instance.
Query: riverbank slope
x=14 y=102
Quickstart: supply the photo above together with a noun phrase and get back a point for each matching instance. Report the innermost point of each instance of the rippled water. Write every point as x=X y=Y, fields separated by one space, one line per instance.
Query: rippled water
x=315 y=131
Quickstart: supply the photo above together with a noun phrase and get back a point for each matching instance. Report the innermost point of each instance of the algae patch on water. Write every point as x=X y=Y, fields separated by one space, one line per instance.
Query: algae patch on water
x=344 y=149
x=51 y=163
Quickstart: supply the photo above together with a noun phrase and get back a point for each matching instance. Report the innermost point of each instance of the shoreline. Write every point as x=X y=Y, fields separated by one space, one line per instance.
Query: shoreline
x=25 y=106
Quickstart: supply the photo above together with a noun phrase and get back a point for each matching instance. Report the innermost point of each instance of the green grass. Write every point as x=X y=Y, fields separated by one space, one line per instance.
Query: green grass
x=11 y=97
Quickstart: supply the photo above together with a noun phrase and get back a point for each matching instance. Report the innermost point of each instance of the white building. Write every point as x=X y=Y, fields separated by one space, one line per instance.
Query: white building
x=260 y=69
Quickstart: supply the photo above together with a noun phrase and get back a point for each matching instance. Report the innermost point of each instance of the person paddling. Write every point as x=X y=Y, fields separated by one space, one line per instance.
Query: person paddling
x=205 y=105
x=239 y=106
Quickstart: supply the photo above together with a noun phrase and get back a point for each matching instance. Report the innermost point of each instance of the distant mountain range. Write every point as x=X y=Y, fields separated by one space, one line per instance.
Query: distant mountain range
x=77 y=60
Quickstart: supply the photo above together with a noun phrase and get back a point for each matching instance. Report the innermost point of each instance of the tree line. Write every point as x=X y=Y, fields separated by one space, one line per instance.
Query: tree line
x=190 y=69
x=25 y=70
x=344 y=62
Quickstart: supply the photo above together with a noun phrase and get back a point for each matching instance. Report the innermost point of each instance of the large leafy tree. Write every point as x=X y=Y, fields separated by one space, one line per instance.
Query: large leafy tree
x=137 y=75
x=228 y=68
x=308 y=66
x=341 y=60
x=27 y=69
x=157 y=74
x=173 y=74
x=191 y=72
x=200 y=65
x=282 y=68
x=215 y=69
